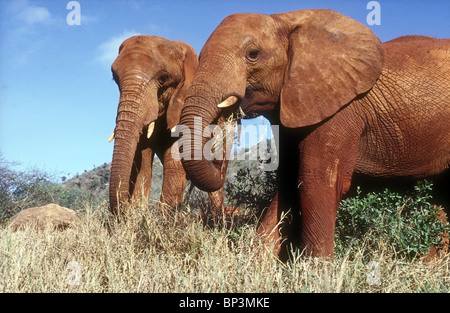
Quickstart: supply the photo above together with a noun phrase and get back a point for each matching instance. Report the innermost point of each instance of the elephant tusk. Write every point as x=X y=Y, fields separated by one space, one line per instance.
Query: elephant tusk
x=112 y=135
x=150 y=129
x=228 y=102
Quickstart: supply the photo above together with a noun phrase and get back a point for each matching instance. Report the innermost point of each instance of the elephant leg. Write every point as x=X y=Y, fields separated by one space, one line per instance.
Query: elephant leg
x=215 y=198
x=280 y=224
x=325 y=173
x=268 y=229
x=216 y=202
x=174 y=181
x=141 y=175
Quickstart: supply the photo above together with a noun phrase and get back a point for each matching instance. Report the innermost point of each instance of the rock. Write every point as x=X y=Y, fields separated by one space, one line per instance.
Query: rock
x=51 y=215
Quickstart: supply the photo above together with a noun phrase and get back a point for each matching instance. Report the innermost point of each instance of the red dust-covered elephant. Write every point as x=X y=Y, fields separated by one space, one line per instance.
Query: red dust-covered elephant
x=153 y=75
x=345 y=103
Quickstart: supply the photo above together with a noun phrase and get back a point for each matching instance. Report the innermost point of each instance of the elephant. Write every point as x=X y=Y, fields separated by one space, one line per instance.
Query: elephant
x=153 y=75
x=345 y=104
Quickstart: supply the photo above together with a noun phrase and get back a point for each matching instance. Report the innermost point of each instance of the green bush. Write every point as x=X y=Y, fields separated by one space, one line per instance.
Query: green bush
x=252 y=188
x=409 y=223
x=20 y=190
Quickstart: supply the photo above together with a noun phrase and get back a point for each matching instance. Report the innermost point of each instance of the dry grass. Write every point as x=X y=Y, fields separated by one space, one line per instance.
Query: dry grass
x=155 y=253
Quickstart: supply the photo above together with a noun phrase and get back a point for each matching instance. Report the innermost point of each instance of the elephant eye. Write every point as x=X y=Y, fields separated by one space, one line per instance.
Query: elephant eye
x=163 y=78
x=253 y=55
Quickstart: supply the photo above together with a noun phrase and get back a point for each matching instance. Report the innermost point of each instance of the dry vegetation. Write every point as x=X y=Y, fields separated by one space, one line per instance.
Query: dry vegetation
x=151 y=252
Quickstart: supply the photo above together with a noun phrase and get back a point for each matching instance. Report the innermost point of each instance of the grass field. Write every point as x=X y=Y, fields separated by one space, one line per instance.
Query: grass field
x=155 y=253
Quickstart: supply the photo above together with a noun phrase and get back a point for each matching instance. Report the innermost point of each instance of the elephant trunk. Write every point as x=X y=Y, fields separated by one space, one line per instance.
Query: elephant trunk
x=126 y=140
x=200 y=111
x=200 y=171
x=138 y=109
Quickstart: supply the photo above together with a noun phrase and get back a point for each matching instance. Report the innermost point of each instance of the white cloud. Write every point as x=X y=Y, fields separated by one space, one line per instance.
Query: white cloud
x=109 y=49
x=30 y=14
x=35 y=15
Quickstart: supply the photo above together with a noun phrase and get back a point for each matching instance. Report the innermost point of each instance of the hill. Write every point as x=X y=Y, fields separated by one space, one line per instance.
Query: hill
x=96 y=181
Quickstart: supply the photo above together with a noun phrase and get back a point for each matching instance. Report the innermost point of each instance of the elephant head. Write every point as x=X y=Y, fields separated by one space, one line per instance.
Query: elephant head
x=297 y=68
x=152 y=74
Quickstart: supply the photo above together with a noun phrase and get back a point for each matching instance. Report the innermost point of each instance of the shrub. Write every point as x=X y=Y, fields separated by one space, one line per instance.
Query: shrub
x=409 y=223
x=252 y=188
x=19 y=190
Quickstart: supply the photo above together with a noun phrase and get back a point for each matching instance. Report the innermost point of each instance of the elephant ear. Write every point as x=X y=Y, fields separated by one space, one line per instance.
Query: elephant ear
x=331 y=59
x=189 y=67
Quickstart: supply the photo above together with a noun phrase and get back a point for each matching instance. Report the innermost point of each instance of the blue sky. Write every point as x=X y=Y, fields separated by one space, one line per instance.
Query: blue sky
x=57 y=99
